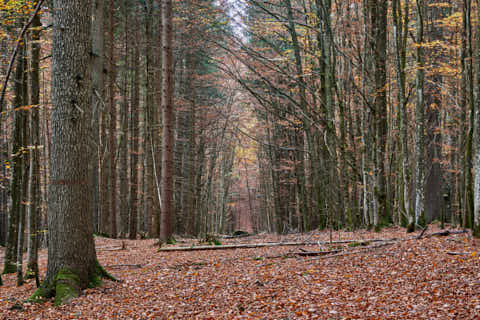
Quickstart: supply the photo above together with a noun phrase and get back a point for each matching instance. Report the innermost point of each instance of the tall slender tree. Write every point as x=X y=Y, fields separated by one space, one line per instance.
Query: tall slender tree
x=168 y=120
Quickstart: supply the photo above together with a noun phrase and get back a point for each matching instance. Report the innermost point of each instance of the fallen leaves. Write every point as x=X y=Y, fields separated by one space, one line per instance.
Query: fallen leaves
x=414 y=279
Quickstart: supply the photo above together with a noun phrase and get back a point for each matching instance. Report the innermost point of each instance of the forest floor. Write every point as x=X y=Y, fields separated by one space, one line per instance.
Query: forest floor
x=430 y=278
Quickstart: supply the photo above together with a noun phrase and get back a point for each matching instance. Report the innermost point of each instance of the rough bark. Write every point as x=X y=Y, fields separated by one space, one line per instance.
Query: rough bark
x=72 y=264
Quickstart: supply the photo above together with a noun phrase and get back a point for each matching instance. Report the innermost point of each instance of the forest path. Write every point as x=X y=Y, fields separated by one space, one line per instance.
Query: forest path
x=413 y=279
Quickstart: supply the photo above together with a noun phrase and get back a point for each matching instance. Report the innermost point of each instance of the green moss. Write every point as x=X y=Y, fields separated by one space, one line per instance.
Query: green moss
x=94 y=281
x=41 y=294
x=65 y=292
x=171 y=240
x=30 y=273
x=102 y=273
x=9 y=268
x=67 y=286
x=358 y=243
x=411 y=227
x=476 y=231
x=422 y=221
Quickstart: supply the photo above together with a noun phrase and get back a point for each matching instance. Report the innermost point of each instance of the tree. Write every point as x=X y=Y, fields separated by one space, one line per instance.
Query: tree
x=476 y=218
x=419 y=119
x=168 y=119
x=72 y=262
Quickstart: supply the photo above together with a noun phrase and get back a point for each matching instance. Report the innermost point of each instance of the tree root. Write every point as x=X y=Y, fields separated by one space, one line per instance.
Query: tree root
x=67 y=285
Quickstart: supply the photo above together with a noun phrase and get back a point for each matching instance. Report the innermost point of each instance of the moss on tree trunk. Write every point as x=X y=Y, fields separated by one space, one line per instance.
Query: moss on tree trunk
x=9 y=267
x=67 y=285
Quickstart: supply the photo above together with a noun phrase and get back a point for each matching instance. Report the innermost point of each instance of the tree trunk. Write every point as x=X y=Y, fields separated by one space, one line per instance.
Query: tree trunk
x=72 y=263
x=113 y=126
x=420 y=122
x=134 y=137
x=168 y=120
x=476 y=218
x=34 y=174
x=97 y=100
x=17 y=161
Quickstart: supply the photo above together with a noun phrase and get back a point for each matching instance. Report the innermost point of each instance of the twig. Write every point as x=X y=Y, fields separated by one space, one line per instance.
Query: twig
x=125 y=266
x=458 y=253
x=112 y=249
x=15 y=52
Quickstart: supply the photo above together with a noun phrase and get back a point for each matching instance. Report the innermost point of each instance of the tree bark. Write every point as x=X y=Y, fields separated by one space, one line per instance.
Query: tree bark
x=420 y=122
x=113 y=125
x=72 y=263
x=97 y=104
x=34 y=174
x=168 y=120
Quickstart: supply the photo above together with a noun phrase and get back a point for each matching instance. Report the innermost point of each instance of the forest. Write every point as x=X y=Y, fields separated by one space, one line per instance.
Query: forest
x=239 y=159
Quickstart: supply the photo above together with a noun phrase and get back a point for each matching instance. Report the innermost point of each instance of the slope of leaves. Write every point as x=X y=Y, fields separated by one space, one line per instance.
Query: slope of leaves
x=413 y=279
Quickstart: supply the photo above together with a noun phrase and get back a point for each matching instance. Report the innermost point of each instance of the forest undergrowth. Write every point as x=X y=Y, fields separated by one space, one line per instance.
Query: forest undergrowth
x=436 y=277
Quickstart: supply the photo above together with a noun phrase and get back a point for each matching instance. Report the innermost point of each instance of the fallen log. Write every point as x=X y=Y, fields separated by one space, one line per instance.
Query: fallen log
x=446 y=233
x=272 y=244
x=316 y=253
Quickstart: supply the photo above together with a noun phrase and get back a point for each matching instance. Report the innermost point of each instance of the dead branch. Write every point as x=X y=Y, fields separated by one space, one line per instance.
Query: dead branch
x=316 y=253
x=452 y=253
x=111 y=248
x=423 y=231
x=137 y=266
x=446 y=233
x=275 y=244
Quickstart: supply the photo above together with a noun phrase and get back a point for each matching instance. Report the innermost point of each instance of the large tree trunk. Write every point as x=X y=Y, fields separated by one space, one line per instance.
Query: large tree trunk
x=72 y=262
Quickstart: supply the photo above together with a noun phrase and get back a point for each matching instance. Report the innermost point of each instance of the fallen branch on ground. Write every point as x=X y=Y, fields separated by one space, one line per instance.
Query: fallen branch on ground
x=111 y=249
x=138 y=266
x=458 y=253
x=362 y=250
x=274 y=244
x=316 y=253
x=305 y=243
x=446 y=233
x=423 y=231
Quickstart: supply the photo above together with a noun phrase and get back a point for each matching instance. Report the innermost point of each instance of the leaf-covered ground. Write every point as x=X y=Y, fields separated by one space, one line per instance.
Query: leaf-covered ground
x=412 y=279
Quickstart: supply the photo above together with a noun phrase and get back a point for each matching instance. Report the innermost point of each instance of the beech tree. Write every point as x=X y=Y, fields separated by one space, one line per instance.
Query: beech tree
x=72 y=262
